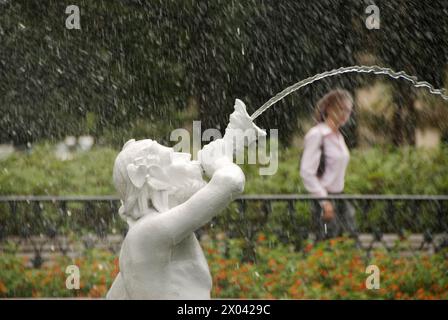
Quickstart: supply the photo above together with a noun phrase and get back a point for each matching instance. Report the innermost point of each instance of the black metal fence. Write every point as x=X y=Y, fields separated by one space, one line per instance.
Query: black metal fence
x=46 y=224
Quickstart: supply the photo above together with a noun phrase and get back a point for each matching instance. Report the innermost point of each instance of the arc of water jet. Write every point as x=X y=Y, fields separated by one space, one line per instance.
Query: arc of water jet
x=359 y=69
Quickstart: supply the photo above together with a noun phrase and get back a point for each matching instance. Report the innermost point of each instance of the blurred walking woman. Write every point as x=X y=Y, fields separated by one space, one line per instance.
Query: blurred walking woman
x=323 y=165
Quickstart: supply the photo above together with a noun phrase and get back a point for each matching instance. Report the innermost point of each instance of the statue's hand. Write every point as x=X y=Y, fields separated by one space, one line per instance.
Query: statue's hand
x=241 y=123
x=215 y=155
x=220 y=152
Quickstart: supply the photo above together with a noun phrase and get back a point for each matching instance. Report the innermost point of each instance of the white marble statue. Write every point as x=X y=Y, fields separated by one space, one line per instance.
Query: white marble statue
x=164 y=200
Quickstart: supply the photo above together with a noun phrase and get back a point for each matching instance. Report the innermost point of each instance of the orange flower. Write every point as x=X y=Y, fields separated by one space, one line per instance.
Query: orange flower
x=221 y=262
x=97 y=291
x=212 y=251
x=293 y=291
x=435 y=287
x=3 y=288
x=382 y=291
x=244 y=268
x=272 y=263
x=308 y=247
x=48 y=278
x=361 y=286
x=393 y=287
x=343 y=293
x=316 y=285
x=221 y=275
x=217 y=290
x=247 y=279
x=261 y=237
x=244 y=288
x=269 y=296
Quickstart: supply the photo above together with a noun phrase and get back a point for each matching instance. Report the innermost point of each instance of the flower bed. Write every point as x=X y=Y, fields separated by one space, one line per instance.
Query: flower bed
x=331 y=270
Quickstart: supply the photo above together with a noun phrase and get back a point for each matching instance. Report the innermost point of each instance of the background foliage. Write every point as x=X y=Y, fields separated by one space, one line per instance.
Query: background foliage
x=137 y=62
x=380 y=170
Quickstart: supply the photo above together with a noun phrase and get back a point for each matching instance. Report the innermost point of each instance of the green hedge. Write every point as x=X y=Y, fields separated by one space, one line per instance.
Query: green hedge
x=39 y=172
x=378 y=170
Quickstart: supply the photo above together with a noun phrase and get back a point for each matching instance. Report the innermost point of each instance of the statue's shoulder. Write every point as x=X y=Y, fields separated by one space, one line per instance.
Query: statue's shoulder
x=147 y=232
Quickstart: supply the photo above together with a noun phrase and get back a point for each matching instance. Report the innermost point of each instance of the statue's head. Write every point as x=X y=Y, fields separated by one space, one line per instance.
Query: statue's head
x=150 y=177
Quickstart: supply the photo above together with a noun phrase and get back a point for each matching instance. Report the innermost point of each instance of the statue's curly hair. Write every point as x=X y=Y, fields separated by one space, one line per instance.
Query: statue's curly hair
x=129 y=194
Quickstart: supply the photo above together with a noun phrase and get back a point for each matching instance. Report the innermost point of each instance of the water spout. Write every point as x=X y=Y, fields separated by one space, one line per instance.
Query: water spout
x=359 y=69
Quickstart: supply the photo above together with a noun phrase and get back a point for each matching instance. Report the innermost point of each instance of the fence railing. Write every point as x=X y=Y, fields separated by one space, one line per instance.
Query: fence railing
x=42 y=225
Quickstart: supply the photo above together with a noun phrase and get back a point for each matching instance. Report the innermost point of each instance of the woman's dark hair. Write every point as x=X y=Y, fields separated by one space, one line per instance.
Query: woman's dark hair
x=334 y=97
